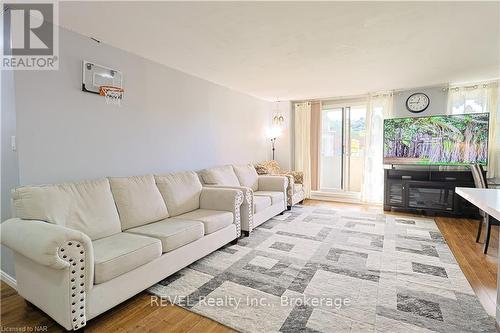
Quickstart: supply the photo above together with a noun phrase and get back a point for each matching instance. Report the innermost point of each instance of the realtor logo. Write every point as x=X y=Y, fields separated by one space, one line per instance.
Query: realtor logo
x=30 y=36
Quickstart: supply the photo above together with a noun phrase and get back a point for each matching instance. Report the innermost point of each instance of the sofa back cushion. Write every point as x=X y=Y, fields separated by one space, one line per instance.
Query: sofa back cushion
x=222 y=175
x=138 y=200
x=85 y=206
x=181 y=191
x=247 y=176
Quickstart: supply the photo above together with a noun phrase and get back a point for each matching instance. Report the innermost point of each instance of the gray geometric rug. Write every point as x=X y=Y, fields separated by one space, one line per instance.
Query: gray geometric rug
x=316 y=269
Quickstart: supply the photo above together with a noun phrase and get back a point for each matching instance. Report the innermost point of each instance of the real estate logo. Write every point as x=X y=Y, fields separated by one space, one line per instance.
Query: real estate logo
x=30 y=35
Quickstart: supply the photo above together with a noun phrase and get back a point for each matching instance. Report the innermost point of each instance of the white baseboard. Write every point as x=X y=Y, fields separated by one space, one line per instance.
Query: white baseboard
x=348 y=197
x=8 y=279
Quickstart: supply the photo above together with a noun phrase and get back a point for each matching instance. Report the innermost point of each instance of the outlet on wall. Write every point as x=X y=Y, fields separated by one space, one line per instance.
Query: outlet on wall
x=13 y=145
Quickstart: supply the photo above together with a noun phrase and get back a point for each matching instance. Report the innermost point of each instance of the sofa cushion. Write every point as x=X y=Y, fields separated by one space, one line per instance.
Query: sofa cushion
x=212 y=220
x=181 y=191
x=222 y=175
x=122 y=253
x=247 y=176
x=138 y=200
x=85 y=206
x=274 y=195
x=260 y=203
x=172 y=232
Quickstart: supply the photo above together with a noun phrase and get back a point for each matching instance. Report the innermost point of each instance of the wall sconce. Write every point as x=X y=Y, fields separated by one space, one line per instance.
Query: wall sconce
x=278 y=119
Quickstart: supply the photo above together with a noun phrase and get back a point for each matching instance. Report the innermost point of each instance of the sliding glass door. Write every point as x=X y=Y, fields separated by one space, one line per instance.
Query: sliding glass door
x=342 y=146
x=330 y=166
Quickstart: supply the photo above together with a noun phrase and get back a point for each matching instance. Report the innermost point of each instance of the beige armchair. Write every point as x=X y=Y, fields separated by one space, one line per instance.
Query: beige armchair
x=295 y=189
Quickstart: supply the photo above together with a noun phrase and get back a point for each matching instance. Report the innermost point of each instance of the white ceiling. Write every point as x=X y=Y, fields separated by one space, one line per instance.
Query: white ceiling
x=298 y=50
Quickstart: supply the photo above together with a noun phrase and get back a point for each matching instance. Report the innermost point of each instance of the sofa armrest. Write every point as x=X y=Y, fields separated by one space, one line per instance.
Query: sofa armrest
x=61 y=252
x=41 y=241
x=220 y=198
x=246 y=211
x=227 y=199
x=273 y=183
x=289 y=190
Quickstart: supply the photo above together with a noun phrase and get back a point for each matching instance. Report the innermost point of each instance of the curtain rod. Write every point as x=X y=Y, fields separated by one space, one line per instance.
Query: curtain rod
x=399 y=91
x=474 y=86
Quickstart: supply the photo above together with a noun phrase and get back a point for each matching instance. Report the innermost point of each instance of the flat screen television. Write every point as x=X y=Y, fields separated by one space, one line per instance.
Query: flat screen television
x=437 y=140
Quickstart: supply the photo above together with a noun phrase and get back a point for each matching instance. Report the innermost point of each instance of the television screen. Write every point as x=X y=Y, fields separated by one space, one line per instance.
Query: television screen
x=437 y=140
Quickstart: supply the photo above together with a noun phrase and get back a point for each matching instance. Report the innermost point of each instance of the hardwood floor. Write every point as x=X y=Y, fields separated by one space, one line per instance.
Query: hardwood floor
x=134 y=315
x=138 y=315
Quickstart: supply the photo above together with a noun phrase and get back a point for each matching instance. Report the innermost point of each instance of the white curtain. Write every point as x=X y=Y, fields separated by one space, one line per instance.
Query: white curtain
x=494 y=137
x=469 y=99
x=480 y=98
x=379 y=108
x=302 y=156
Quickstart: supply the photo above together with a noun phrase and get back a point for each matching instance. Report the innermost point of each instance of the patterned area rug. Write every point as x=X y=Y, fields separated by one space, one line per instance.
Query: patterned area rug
x=316 y=269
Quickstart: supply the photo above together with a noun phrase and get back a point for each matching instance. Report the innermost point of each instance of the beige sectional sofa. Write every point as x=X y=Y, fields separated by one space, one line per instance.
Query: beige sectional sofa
x=265 y=196
x=82 y=248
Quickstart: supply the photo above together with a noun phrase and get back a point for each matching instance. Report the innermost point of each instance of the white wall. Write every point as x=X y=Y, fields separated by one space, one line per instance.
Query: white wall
x=168 y=120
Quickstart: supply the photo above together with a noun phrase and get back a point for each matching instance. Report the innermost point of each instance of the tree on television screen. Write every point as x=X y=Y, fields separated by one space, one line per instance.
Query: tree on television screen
x=458 y=139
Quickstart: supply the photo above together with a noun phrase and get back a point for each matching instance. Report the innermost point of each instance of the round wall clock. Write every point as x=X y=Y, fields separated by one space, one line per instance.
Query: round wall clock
x=417 y=102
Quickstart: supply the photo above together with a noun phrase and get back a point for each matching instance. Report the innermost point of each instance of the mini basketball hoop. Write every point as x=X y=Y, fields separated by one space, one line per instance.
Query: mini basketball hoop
x=112 y=94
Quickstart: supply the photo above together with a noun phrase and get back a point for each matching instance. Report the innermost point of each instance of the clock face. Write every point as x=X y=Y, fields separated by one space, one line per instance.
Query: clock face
x=417 y=102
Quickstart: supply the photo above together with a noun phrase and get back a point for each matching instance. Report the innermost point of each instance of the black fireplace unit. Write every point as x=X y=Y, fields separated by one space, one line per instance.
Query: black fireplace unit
x=427 y=191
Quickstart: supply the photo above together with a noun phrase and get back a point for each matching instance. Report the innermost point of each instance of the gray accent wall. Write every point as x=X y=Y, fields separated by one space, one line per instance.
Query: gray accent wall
x=437 y=106
x=168 y=121
x=9 y=162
